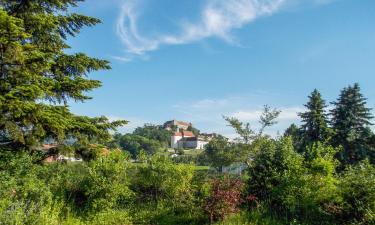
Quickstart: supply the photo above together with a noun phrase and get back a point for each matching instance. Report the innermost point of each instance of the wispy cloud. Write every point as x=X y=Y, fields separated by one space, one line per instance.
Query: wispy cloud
x=218 y=18
x=287 y=113
x=207 y=114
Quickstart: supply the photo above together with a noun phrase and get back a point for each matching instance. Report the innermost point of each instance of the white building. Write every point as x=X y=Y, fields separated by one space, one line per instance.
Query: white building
x=178 y=137
x=186 y=139
x=194 y=143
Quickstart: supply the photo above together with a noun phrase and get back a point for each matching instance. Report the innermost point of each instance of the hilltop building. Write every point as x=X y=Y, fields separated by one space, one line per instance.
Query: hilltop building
x=182 y=138
x=175 y=125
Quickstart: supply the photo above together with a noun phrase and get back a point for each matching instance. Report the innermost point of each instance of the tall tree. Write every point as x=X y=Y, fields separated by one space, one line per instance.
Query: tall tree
x=350 y=121
x=314 y=126
x=38 y=77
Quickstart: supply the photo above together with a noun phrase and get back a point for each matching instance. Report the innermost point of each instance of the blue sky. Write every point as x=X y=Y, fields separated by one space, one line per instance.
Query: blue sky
x=199 y=60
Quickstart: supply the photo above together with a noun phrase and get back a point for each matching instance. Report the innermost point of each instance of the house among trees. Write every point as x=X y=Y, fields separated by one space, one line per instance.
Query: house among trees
x=185 y=136
x=186 y=139
x=52 y=155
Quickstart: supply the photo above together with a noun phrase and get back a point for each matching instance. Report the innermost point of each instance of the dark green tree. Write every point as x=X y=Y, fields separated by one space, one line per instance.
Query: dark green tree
x=135 y=144
x=350 y=121
x=294 y=132
x=314 y=126
x=154 y=132
x=219 y=153
x=38 y=77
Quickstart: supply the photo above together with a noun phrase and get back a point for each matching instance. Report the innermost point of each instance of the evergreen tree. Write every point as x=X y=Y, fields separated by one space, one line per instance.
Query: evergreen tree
x=38 y=77
x=350 y=122
x=314 y=121
x=294 y=132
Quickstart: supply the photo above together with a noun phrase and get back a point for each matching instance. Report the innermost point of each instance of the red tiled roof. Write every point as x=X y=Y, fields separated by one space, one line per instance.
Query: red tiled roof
x=177 y=134
x=184 y=133
x=188 y=134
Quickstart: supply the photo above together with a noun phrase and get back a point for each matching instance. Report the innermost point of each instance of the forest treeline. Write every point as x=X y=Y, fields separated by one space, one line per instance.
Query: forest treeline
x=319 y=172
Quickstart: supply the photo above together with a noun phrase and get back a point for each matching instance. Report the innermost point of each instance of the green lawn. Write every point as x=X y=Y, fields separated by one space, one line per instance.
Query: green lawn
x=193 y=151
x=202 y=167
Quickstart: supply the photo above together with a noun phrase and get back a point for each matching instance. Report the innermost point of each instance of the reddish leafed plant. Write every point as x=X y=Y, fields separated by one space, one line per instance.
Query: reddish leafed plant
x=225 y=198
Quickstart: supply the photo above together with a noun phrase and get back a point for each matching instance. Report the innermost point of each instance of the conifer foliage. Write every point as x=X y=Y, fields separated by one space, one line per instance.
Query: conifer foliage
x=38 y=77
x=314 y=121
x=350 y=121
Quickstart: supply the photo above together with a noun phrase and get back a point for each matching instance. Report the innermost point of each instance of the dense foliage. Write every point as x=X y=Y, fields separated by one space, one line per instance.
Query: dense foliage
x=224 y=199
x=314 y=126
x=38 y=77
x=321 y=172
x=135 y=145
x=350 y=122
x=154 y=132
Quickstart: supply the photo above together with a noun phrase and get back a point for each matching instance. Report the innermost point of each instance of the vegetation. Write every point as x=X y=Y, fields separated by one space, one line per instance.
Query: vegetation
x=154 y=132
x=38 y=77
x=321 y=172
x=350 y=122
x=314 y=121
x=135 y=144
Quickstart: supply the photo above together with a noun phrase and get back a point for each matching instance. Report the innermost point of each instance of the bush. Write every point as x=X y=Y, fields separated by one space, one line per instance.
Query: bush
x=224 y=198
x=275 y=172
x=111 y=217
x=357 y=186
x=292 y=187
x=161 y=179
x=24 y=197
x=106 y=184
x=164 y=192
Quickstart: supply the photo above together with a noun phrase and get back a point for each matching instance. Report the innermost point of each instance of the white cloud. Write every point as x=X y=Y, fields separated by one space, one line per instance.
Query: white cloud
x=290 y=113
x=253 y=115
x=207 y=114
x=217 y=19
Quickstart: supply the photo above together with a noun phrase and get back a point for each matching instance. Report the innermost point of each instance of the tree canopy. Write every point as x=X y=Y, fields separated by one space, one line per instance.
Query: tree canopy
x=154 y=132
x=350 y=121
x=314 y=121
x=38 y=77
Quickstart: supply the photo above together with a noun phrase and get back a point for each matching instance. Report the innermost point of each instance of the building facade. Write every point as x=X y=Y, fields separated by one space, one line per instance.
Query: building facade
x=187 y=140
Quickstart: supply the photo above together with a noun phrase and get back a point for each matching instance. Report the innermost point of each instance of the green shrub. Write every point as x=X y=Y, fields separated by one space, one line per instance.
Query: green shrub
x=111 y=217
x=24 y=197
x=106 y=183
x=164 y=192
x=294 y=188
x=162 y=179
x=357 y=186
